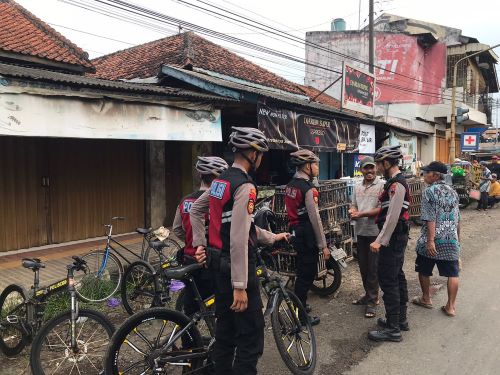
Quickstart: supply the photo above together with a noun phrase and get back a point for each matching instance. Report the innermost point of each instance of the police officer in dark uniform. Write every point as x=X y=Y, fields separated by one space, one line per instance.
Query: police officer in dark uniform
x=391 y=245
x=301 y=200
x=208 y=167
x=231 y=255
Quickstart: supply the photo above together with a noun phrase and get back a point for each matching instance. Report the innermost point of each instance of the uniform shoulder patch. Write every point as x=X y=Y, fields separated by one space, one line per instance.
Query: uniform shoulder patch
x=315 y=195
x=218 y=188
x=252 y=197
x=186 y=205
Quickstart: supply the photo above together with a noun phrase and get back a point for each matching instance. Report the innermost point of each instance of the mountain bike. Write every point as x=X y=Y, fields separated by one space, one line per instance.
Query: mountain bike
x=71 y=342
x=163 y=341
x=105 y=268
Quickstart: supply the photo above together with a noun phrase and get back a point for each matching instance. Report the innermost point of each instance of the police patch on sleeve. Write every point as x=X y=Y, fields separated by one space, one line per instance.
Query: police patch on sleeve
x=315 y=195
x=252 y=197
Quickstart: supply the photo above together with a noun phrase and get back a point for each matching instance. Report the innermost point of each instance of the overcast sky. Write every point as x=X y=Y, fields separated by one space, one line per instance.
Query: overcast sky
x=480 y=21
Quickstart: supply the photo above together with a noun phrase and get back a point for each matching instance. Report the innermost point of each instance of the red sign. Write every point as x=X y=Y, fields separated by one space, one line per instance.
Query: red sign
x=358 y=89
x=407 y=72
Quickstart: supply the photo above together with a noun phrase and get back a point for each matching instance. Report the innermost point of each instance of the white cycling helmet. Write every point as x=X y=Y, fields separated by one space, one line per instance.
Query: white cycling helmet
x=211 y=165
x=245 y=138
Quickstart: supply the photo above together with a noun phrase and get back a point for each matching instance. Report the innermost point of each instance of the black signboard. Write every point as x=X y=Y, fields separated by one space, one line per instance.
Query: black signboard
x=287 y=130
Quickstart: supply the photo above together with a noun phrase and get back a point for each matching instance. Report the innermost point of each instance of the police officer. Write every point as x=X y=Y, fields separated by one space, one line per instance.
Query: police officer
x=391 y=244
x=208 y=167
x=233 y=237
x=301 y=201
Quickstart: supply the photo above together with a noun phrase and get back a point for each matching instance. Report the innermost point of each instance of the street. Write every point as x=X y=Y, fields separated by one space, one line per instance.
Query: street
x=436 y=344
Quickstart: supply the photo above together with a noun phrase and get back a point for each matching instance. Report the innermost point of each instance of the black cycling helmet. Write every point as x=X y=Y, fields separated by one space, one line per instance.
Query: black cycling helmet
x=211 y=165
x=388 y=153
x=303 y=156
x=248 y=138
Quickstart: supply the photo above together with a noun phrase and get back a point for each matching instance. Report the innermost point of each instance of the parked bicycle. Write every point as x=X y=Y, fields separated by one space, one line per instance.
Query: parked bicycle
x=105 y=268
x=72 y=342
x=163 y=341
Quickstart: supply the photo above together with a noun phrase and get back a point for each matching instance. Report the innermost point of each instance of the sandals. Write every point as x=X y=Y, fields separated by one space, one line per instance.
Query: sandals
x=371 y=311
x=360 y=302
x=419 y=302
x=446 y=312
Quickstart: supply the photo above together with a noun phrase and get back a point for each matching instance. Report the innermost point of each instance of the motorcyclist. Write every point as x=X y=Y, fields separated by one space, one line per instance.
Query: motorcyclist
x=391 y=242
x=208 y=168
x=301 y=201
x=231 y=254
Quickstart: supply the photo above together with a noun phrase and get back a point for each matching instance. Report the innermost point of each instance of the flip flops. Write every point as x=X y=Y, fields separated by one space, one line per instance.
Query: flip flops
x=446 y=312
x=370 y=311
x=419 y=302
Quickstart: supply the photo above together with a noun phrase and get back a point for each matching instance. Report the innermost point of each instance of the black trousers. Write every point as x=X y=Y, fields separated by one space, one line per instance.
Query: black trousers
x=391 y=276
x=492 y=201
x=307 y=268
x=483 y=201
x=205 y=284
x=368 y=264
x=239 y=342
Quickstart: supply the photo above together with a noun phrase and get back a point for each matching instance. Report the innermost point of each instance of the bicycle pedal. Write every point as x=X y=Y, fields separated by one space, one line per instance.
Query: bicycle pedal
x=12 y=319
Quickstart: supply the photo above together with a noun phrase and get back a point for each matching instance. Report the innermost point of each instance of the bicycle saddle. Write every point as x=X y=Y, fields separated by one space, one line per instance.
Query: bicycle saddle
x=181 y=272
x=143 y=230
x=33 y=263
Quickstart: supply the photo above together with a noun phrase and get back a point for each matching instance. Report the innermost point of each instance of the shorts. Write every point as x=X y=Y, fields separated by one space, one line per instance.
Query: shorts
x=446 y=268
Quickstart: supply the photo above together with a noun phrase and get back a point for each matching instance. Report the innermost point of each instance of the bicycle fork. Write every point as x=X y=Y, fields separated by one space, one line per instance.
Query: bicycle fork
x=74 y=311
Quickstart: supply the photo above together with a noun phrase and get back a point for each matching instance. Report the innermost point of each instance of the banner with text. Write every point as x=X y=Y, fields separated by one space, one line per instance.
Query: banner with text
x=287 y=130
x=358 y=90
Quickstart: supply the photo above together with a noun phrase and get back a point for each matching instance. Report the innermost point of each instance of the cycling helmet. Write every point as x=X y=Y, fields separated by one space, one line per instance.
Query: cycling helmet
x=245 y=138
x=388 y=153
x=211 y=165
x=303 y=156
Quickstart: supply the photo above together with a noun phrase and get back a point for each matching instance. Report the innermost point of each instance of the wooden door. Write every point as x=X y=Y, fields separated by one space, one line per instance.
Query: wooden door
x=91 y=181
x=23 y=193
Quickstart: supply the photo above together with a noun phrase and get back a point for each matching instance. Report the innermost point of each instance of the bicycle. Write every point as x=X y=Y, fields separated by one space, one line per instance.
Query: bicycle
x=161 y=341
x=105 y=270
x=69 y=341
x=145 y=286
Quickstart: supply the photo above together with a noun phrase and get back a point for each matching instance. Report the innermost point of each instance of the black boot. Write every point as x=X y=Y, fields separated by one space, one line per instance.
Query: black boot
x=390 y=333
x=403 y=321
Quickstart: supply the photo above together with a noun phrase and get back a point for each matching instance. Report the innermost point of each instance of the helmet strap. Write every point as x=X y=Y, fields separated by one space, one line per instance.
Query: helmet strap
x=250 y=161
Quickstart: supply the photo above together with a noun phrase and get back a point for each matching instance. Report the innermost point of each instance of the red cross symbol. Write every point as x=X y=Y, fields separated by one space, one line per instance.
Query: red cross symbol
x=470 y=140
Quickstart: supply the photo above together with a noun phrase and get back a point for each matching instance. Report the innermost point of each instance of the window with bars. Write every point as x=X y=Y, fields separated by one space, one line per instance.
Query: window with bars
x=461 y=71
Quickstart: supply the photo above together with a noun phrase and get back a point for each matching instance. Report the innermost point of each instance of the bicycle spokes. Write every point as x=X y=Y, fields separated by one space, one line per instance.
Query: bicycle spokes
x=155 y=346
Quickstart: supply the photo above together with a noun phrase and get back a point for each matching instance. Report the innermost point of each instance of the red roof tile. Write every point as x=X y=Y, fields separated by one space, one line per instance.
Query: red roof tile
x=21 y=32
x=325 y=99
x=186 y=50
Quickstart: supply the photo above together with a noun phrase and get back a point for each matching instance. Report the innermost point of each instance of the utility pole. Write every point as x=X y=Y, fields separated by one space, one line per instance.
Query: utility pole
x=371 y=42
x=454 y=104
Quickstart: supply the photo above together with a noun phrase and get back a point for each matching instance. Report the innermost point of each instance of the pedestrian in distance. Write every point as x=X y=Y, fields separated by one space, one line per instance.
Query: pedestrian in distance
x=233 y=238
x=390 y=244
x=484 y=187
x=439 y=241
x=494 y=193
x=208 y=168
x=364 y=209
x=301 y=201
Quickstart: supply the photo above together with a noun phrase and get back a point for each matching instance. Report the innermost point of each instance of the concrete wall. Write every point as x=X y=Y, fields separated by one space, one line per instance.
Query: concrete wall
x=155 y=192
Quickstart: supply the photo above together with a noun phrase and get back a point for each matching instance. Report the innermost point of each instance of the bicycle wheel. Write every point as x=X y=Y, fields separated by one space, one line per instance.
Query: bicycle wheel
x=296 y=343
x=101 y=278
x=329 y=283
x=135 y=348
x=12 y=313
x=138 y=287
x=51 y=352
x=169 y=251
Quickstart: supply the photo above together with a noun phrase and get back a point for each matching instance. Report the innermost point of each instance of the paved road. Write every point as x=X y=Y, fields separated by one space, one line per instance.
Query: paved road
x=466 y=344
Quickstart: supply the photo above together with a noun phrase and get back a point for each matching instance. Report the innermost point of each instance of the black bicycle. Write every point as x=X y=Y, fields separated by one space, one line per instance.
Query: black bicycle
x=105 y=269
x=72 y=342
x=164 y=341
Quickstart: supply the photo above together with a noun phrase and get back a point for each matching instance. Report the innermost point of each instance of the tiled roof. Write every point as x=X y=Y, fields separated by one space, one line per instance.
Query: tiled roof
x=325 y=99
x=23 y=33
x=186 y=50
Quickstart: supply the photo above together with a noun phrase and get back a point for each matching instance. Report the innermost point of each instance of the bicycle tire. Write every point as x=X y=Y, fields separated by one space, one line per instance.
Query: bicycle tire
x=333 y=270
x=277 y=322
x=91 y=287
x=58 y=344
x=151 y=256
x=137 y=325
x=138 y=281
x=18 y=345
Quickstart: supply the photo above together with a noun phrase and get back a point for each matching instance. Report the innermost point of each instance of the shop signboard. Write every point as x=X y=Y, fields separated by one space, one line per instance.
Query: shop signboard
x=287 y=129
x=366 y=139
x=358 y=90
